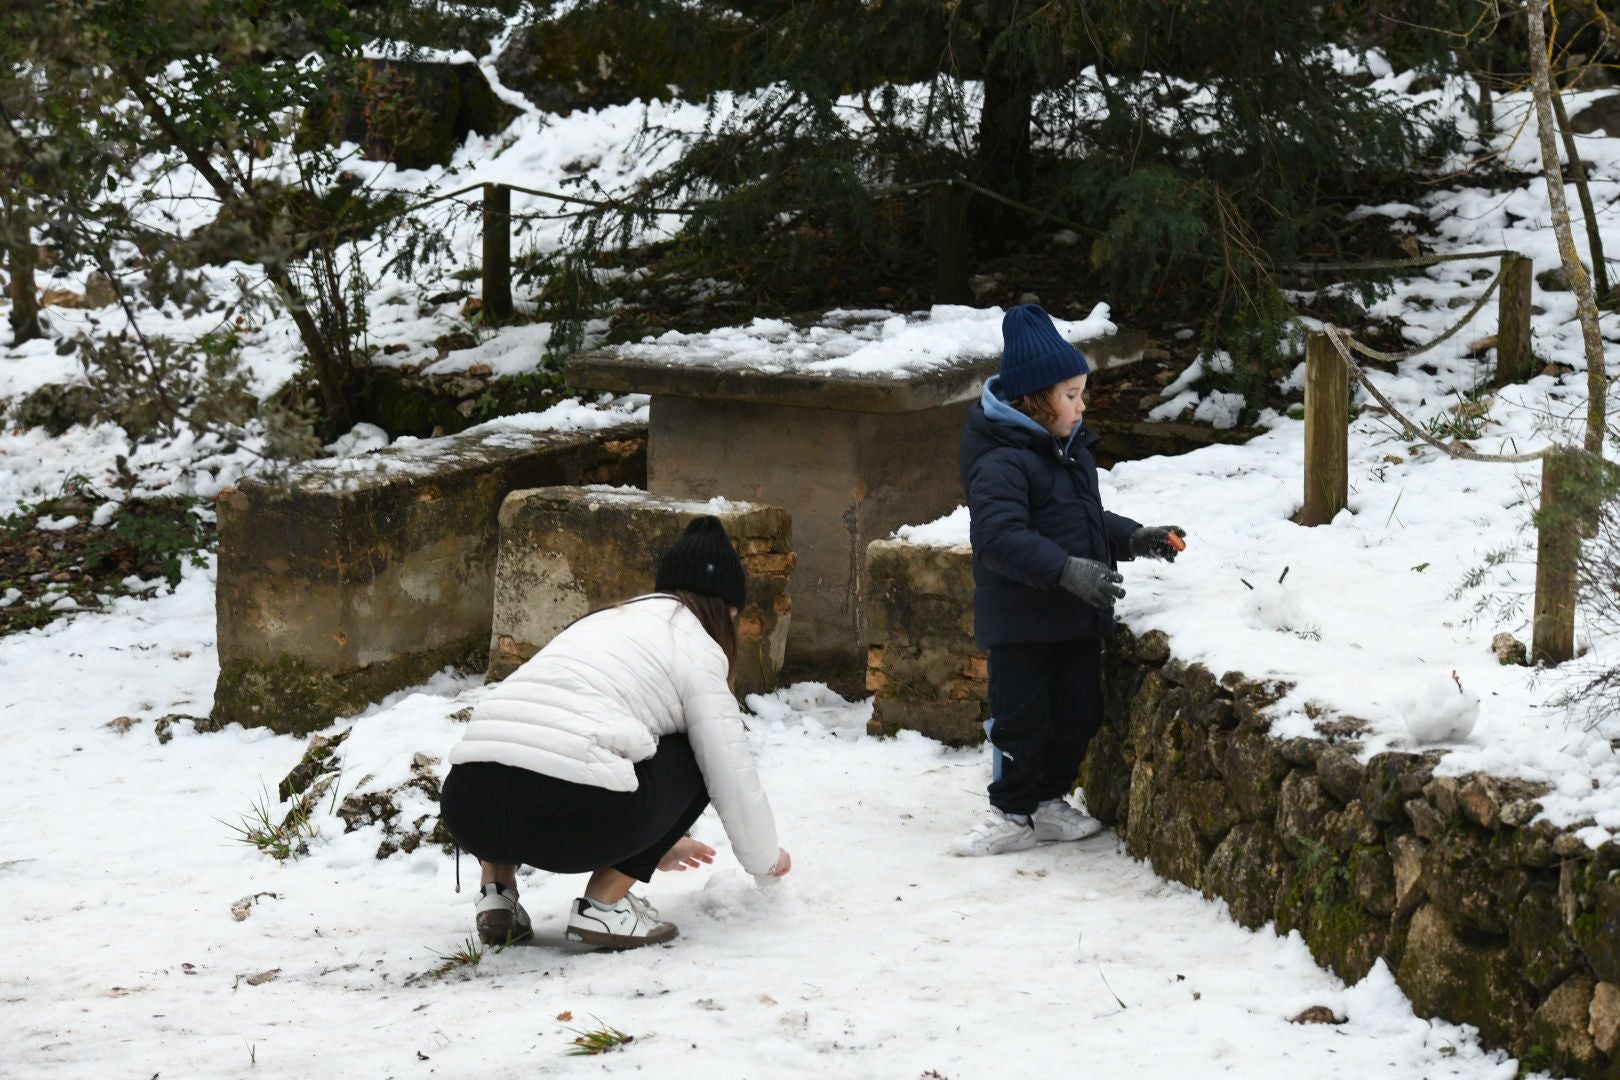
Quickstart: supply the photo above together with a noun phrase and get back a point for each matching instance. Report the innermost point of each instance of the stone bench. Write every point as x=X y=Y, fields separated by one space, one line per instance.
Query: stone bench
x=350 y=580
x=566 y=551
x=853 y=424
x=1485 y=916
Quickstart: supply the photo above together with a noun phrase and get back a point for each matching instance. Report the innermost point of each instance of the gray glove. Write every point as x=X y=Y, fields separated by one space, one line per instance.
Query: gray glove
x=1153 y=542
x=1092 y=582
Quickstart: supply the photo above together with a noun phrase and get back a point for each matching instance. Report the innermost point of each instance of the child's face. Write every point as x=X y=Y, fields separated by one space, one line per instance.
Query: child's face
x=1069 y=399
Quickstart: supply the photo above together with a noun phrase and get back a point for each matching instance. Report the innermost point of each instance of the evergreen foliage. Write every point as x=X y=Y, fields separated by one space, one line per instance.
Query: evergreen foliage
x=1195 y=145
x=88 y=87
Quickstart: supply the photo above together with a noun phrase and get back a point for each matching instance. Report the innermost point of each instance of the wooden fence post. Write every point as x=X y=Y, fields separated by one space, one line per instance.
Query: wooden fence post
x=497 y=252
x=1570 y=505
x=1327 y=432
x=1513 y=321
x=951 y=276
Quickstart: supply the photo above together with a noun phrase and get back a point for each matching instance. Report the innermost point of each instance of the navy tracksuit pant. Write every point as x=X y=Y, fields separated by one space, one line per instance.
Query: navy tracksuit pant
x=1046 y=698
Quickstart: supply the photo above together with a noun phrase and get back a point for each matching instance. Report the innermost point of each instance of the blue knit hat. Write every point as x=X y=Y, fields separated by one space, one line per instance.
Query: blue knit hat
x=1033 y=354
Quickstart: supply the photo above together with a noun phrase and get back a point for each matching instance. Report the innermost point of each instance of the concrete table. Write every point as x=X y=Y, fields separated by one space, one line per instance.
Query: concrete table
x=844 y=424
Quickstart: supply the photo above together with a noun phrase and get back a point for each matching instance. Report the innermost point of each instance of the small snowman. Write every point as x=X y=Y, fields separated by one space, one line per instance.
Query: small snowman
x=1442 y=711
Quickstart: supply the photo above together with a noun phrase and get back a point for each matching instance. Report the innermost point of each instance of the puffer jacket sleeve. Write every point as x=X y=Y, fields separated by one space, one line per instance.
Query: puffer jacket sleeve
x=1119 y=529
x=998 y=511
x=714 y=726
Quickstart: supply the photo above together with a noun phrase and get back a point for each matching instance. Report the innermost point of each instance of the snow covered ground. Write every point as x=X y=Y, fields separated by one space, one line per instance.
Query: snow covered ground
x=879 y=956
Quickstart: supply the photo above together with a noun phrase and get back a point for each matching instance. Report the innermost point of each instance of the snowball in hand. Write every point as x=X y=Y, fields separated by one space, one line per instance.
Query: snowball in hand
x=1441 y=711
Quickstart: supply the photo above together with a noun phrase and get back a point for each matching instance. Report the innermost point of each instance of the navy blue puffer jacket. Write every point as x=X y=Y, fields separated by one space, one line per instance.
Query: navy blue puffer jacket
x=1034 y=502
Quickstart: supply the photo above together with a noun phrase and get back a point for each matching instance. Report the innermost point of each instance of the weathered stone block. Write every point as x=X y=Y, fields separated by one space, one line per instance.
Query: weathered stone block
x=1245 y=870
x=1604 y=1017
x=1392 y=778
x=1211 y=809
x=1480 y=801
x=1453 y=979
x=1560 y=1025
x=1140 y=822
x=923 y=666
x=1106 y=777
x=1427 y=822
x=1316 y=898
x=1597 y=928
x=1301 y=810
x=349 y=581
x=1176 y=851
x=1341 y=774
x=955 y=723
x=1250 y=700
x=1254 y=773
x=1146 y=713
x=1372 y=879
x=1411 y=887
x=1468 y=885
x=848 y=477
x=1350 y=827
x=1539 y=937
x=566 y=551
x=1154 y=647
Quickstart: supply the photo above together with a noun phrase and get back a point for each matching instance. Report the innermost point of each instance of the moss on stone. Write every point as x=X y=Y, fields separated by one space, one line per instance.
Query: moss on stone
x=292 y=698
x=1464 y=981
x=1246 y=870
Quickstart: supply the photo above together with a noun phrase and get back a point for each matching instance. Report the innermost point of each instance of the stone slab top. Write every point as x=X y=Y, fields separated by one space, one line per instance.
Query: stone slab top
x=411 y=460
x=592 y=495
x=852 y=361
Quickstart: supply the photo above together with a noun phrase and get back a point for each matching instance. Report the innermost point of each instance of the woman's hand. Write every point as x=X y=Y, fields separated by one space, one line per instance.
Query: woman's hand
x=686 y=852
x=784 y=863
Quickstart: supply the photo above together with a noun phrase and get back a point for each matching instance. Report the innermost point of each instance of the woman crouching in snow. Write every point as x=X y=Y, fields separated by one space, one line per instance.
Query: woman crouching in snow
x=598 y=754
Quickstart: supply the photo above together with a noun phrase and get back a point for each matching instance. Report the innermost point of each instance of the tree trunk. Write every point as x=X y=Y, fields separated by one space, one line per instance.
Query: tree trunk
x=331 y=376
x=1577 y=172
x=1597 y=379
x=1004 y=161
x=21 y=258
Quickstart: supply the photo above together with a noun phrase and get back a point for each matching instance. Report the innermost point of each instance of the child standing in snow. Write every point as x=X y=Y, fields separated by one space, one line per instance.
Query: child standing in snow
x=598 y=754
x=1044 y=557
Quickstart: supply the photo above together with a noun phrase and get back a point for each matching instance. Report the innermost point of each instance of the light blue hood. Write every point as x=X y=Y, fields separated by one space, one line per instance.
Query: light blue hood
x=997 y=411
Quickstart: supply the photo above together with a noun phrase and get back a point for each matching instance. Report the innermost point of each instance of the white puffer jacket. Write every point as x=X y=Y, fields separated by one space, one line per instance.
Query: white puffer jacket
x=595 y=700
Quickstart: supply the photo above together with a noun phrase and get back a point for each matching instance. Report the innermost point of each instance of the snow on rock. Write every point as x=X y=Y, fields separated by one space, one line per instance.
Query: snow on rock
x=361 y=439
x=1441 y=710
x=948 y=531
x=854 y=342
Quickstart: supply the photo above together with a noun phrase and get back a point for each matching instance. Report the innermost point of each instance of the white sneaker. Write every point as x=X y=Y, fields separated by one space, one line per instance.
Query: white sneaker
x=1057 y=820
x=629 y=924
x=995 y=834
x=501 y=919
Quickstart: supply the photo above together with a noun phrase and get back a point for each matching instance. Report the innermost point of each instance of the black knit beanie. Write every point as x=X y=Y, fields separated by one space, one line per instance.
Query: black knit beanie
x=703 y=561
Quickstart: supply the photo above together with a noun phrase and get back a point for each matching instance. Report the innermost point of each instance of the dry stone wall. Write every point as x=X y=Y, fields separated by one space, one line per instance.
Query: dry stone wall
x=1485 y=915
x=347 y=582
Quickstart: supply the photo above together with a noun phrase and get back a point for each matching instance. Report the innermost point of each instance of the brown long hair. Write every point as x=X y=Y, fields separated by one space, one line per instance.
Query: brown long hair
x=715 y=615
x=711 y=611
x=1039 y=405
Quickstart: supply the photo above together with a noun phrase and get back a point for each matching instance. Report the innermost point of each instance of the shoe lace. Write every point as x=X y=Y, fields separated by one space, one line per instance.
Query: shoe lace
x=1061 y=808
x=642 y=907
x=993 y=823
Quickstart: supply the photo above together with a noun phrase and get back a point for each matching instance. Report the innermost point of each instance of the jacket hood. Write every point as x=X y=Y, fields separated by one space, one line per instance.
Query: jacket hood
x=997 y=411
